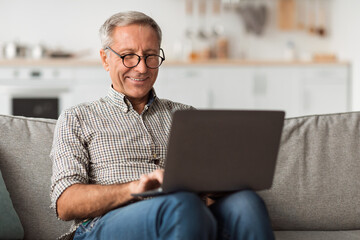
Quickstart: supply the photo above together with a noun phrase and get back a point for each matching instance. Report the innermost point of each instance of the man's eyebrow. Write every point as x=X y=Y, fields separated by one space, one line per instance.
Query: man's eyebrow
x=151 y=51
x=125 y=50
x=147 y=51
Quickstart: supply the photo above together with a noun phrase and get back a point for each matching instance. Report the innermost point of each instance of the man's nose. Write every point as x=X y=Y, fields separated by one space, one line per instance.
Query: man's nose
x=141 y=67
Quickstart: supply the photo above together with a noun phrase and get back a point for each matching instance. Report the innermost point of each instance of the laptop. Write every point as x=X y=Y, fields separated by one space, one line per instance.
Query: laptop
x=221 y=151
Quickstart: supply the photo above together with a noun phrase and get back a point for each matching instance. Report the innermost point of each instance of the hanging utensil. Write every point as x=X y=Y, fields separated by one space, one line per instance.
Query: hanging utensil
x=300 y=14
x=286 y=14
x=321 y=28
x=312 y=8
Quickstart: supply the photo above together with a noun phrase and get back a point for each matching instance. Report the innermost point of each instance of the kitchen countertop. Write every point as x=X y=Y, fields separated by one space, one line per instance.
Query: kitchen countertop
x=97 y=63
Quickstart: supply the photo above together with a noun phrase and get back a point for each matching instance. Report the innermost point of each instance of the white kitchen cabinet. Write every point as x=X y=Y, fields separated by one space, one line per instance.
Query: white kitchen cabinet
x=324 y=89
x=90 y=83
x=185 y=85
x=298 y=89
x=302 y=89
x=231 y=88
x=275 y=88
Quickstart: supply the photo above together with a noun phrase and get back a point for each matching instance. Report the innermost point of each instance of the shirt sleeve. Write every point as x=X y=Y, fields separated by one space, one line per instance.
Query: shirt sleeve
x=69 y=155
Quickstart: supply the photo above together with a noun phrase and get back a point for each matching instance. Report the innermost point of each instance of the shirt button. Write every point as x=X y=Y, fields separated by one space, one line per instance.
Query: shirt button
x=155 y=156
x=156 y=161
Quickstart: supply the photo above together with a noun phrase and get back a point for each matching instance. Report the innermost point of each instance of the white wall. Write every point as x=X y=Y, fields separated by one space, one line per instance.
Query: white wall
x=346 y=40
x=73 y=25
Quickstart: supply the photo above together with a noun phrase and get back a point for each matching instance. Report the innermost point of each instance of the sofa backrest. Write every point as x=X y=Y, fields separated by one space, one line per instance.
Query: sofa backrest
x=26 y=167
x=316 y=185
x=317 y=178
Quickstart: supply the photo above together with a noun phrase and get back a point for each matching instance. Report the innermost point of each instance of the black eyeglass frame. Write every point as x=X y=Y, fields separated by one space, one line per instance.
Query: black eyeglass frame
x=139 y=57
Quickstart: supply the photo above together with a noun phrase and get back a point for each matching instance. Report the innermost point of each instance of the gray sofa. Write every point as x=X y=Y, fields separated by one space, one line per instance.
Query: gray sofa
x=315 y=195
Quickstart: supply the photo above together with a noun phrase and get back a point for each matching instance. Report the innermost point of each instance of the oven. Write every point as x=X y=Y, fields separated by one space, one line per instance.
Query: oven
x=41 y=92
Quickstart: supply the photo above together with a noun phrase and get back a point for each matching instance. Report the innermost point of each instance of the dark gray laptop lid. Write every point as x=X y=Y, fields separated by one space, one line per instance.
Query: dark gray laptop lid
x=222 y=151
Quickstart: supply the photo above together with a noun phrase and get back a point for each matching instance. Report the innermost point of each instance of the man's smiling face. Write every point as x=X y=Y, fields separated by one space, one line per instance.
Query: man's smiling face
x=136 y=82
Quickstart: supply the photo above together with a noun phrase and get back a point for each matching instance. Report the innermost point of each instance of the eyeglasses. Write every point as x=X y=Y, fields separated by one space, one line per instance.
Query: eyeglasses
x=132 y=60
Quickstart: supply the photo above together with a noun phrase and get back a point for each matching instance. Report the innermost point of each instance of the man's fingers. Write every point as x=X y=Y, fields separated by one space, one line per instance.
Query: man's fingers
x=148 y=182
x=158 y=175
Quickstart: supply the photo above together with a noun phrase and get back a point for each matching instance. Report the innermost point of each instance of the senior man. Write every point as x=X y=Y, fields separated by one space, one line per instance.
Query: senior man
x=106 y=150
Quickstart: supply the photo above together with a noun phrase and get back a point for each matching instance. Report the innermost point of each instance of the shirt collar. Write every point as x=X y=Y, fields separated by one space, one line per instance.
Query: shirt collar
x=120 y=100
x=152 y=97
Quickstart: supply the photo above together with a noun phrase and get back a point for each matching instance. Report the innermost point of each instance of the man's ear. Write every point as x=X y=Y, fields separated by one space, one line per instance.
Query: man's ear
x=104 y=59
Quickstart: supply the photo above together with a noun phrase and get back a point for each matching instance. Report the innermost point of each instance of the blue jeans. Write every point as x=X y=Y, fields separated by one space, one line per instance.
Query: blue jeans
x=183 y=215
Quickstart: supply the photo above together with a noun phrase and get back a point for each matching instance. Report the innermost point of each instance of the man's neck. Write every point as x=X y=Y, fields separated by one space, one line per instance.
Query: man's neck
x=139 y=108
x=139 y=104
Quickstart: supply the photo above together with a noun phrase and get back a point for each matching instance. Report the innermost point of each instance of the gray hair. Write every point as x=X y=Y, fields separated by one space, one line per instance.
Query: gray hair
x=124 y=19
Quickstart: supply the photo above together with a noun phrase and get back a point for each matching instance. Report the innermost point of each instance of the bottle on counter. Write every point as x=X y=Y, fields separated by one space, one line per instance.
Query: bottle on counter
x=219 y=40
x=189 y=41
x=38 y=51
x=10 y=50
x=290 y=51
x=222 y=48
x=189 y=48
x=203 y=35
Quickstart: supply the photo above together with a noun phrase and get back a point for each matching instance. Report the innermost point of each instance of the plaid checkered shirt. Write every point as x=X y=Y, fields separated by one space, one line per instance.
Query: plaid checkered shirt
x=108 y=142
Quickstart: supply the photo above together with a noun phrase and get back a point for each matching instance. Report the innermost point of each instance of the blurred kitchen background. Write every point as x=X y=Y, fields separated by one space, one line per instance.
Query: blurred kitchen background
x=301 y=56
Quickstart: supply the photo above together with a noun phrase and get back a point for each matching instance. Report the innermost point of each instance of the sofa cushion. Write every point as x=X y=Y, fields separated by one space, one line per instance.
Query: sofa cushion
x=10 y=225
x=25 y=145
x=317 y=177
